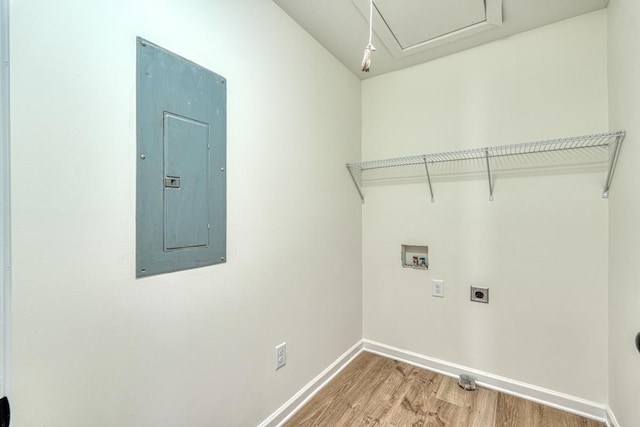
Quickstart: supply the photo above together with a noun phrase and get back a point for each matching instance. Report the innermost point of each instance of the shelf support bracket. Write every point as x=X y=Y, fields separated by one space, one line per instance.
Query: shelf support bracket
x=612 y=164
x=355 y=182
x=486 y=156
x=426 y=168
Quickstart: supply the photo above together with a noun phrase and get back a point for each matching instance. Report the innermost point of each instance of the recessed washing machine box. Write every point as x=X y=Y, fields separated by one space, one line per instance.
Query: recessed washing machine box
x=415 y=256
x=181 y=163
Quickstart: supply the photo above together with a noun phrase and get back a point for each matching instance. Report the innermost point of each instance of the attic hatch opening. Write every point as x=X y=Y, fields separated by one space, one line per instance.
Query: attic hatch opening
x=406 y=27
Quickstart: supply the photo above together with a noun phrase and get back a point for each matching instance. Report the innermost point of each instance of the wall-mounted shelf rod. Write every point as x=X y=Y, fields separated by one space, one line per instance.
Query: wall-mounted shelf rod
x=607 y=146
x=613 y=159
x=486 y=153
x=426 y=168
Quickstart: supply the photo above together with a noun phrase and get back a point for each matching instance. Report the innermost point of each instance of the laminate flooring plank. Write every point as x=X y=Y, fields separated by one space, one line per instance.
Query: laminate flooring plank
x=506 y=411
x=359 y=401
x=395 y=413
x=351 y=402
x=512 y=412
x=515 y=412
x=555 y=417
x=442 y=413
x=387 y=394
x=451 y=392
x=415 y=407
x=478 y=407
x=332 y=401
x=482 y=409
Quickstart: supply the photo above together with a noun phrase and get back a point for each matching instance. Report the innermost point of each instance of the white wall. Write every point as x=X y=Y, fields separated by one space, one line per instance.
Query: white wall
x=624 y=212
x=92 y=346
x=541 y=246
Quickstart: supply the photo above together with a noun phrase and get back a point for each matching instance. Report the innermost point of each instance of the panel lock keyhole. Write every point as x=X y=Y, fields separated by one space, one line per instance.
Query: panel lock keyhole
x=172 y=182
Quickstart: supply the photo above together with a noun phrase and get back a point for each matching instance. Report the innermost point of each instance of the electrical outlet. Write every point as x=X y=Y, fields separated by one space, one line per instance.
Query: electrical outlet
x=437 y=289
x=281 y=355
x=480 y=294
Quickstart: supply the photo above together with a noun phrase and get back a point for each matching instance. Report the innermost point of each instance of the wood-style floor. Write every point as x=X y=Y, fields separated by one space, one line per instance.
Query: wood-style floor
x=377 y=391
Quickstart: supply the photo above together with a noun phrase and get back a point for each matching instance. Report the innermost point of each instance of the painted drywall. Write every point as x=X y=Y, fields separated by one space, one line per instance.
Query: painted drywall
x=93 y=346
x=540 y=246
x=624 y=213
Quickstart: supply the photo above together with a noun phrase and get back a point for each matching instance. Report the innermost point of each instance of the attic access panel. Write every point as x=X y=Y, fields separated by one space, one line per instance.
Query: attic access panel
x=416 y=21
x=410 y=26
x=181 y=162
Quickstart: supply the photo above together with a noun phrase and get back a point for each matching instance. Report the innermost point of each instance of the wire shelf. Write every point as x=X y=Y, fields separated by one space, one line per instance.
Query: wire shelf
x=599 y=149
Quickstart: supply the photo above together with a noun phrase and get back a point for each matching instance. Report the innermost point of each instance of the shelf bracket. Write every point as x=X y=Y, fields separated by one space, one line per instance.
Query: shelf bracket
x=612 y=164
x=486 y=156
x=355 y=182
x=426 y=168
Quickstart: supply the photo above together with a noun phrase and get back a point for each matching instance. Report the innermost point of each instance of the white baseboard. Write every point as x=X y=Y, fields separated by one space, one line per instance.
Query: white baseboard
x=531 y=392
x=282 y=414
x=611 y=419
x=541 y=395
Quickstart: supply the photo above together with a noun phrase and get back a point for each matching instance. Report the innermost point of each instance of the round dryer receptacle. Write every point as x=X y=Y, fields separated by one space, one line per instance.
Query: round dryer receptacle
x=638 y=341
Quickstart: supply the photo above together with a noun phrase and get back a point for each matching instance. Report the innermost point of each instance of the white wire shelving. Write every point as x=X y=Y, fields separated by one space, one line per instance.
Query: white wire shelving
x=599 y=150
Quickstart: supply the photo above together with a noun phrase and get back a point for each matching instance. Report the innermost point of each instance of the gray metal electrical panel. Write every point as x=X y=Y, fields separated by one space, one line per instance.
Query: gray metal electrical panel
x=181 y=163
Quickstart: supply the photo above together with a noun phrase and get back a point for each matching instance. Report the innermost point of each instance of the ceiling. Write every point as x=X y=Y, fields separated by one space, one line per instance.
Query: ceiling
x=410 y=32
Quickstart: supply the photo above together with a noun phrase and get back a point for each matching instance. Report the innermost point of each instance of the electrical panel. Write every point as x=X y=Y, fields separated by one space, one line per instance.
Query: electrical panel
x=181 y=163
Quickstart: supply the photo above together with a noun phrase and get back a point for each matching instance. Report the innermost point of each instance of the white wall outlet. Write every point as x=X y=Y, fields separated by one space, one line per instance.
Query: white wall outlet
x=437 y=289
x=281 y=355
